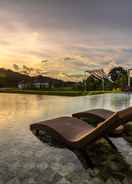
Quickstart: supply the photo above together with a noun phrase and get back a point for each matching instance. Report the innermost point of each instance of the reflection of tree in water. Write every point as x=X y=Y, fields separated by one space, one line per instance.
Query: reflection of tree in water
x=108 y=164
x=120 y=101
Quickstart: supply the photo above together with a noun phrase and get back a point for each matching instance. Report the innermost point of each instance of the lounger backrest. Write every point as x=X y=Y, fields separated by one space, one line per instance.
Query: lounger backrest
x=126 y=114
x=103 y=128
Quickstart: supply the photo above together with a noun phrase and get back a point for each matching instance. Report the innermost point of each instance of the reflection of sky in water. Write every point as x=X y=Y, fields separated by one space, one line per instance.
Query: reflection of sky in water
x=18 y=109
x=17 y=112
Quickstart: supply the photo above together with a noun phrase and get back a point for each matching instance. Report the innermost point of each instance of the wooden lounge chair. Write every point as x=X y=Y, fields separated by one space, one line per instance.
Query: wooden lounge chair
x=75 y=134
x=102 y=114
x=99 y=115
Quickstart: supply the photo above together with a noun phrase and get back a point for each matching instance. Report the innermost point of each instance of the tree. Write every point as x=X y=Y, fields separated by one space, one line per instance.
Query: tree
x=16 y=67
x=119 y=76
x=26 y=70
x=117 y=72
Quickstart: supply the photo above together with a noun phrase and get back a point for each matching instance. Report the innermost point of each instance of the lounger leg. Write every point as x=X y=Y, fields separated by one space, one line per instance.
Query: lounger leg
x=88 y=160
x=37 y=132
x=111 y=143
x=84 y=158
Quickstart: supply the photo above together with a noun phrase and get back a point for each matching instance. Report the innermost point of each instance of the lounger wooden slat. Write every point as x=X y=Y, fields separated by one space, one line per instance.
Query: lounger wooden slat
x=98 y=114
x=102 y=114
x=66 y=129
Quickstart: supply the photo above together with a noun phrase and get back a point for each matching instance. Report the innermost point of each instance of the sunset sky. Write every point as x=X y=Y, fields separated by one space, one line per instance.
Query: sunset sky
x=69 y=36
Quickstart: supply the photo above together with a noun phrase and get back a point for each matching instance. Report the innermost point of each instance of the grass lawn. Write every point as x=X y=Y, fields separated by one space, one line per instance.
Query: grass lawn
x=58 y=92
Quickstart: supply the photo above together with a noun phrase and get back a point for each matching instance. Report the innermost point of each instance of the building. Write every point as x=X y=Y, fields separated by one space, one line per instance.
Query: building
x=39 y=85
x=24 y=84
x=40 y=82
x=36 y=82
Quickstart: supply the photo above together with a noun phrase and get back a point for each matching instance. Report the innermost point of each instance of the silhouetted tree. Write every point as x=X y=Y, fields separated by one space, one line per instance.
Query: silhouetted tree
x=16 y=67
x=119 y=76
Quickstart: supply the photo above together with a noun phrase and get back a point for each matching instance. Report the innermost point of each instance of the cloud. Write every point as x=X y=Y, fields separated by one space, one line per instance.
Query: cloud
x=65 y=37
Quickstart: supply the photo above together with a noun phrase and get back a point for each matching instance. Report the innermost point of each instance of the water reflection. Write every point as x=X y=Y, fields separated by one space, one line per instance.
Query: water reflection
x=121 y=101
x=18 y=145
x=18 y=108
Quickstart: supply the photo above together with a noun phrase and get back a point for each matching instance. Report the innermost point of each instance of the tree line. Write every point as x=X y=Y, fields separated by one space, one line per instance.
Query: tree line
x=118 y=79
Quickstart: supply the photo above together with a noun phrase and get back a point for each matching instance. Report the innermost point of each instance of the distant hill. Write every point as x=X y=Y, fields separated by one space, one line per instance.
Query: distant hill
x=9 y=78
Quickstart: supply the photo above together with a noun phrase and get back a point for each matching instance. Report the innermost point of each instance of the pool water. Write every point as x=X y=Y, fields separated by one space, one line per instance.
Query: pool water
x=23 y=157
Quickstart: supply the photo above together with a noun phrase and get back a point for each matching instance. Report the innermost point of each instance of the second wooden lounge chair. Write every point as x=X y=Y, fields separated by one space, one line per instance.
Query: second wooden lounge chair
x=75 y=134
x=99 y=115
x=102 y=114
